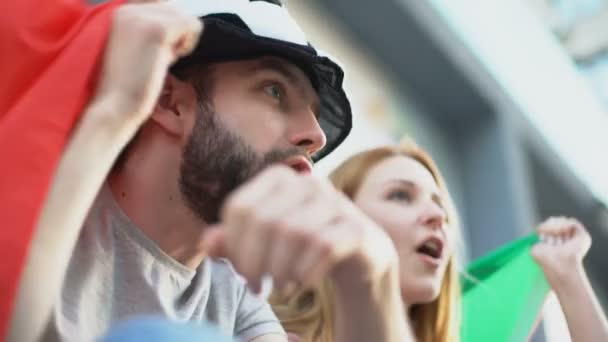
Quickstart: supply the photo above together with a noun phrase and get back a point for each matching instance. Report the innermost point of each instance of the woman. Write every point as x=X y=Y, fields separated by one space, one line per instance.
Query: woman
x=402 y=190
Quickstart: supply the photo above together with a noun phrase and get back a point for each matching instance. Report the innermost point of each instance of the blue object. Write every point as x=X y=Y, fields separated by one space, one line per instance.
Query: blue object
x=156 y=329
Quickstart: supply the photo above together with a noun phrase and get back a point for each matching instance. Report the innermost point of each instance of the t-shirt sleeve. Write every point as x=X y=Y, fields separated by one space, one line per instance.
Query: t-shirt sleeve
x=255 y=317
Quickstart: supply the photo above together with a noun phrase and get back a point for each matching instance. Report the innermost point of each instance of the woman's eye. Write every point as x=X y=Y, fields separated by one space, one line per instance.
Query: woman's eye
x=274 y=90
x=399 y=195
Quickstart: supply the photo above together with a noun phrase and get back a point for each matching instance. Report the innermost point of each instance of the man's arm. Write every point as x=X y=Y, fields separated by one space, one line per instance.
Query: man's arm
x=371 y=310
x=143 y=42
x=81 y=172
x=299 y=229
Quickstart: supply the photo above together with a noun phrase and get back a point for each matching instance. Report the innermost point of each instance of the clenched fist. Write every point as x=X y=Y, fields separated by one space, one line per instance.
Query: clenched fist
x=145 y=39
x=564 y=243
x=299 y=229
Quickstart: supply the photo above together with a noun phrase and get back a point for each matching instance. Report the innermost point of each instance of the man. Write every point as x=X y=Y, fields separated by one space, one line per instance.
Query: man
x=253 y=93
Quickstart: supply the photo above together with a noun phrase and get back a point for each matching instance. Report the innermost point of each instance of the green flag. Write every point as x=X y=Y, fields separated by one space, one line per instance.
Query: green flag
x=503 y=294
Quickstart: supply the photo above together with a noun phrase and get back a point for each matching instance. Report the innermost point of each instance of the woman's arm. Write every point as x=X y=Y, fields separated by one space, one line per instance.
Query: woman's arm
x=564 y=244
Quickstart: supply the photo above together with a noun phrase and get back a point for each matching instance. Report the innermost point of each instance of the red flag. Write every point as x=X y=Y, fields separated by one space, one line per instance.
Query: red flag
x=50 y=51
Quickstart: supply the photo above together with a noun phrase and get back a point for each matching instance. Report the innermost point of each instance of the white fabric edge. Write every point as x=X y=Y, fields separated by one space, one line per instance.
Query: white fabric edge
x=263 y=18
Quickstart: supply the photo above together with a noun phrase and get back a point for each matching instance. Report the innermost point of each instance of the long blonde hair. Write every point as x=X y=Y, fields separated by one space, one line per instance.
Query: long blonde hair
x=309 y=312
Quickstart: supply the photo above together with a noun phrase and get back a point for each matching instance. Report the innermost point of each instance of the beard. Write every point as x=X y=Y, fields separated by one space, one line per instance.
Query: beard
x=216 y=161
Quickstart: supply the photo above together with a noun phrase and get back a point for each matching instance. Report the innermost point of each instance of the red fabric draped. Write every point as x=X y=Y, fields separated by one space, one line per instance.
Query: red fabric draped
x=49 y=55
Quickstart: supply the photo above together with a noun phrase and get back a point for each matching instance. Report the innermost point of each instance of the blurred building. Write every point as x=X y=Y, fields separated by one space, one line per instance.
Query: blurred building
x=581 y=26
x=491 y=92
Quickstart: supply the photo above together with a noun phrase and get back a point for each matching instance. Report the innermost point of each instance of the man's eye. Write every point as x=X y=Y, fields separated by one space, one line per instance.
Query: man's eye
x=274 y=90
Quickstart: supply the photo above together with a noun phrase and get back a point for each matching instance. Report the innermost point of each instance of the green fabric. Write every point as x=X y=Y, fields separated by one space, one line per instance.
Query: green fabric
x=503 y=293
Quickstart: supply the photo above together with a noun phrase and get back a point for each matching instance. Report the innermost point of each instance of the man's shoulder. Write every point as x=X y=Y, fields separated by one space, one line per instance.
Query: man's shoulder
x=226 y=290
x=221 y=266
x=229 y=295
x=224 y=279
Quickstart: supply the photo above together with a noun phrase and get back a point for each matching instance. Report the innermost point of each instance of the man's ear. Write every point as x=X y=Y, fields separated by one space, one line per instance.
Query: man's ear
x=167 y=112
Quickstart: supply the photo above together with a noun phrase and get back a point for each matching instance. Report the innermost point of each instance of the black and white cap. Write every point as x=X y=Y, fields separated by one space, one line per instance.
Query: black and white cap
x=243 y=29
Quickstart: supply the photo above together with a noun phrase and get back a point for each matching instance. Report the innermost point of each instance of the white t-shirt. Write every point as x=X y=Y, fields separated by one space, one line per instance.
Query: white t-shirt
x=116 y=272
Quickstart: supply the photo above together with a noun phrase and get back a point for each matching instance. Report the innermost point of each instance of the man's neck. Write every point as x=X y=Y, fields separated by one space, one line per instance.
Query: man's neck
x=155 y=206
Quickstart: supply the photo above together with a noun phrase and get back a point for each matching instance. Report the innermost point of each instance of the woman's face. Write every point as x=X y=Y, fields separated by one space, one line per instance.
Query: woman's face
x=401 y=195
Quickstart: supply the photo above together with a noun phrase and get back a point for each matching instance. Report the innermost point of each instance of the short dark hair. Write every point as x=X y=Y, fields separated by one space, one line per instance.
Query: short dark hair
x=200 y=76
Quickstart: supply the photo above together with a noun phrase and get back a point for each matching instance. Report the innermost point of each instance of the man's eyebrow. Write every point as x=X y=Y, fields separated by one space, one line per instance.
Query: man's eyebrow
x=281 y=67
x=276 y=65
